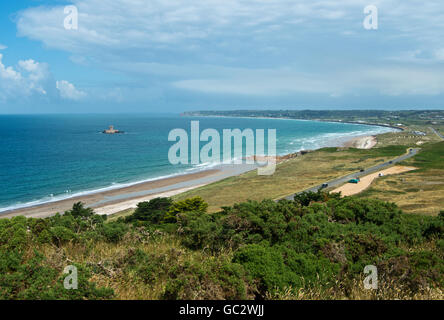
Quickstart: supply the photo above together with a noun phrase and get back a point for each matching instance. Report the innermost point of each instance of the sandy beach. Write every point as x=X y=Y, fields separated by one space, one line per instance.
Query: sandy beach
x=116 y=200
x=112 y=201
x=366 y=142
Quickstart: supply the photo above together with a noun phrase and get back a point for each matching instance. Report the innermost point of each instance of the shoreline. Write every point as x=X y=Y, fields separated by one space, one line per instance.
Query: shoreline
x=364 y=142
x=105 y=200
x=122 y=198
x=286 y=118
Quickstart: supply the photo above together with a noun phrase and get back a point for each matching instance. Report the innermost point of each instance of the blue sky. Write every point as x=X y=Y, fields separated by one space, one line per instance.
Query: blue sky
x=177 y=55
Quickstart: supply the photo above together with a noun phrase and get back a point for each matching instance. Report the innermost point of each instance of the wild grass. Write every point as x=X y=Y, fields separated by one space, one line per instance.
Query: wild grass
x=407 y=138
x=355 y=290
x=419 y=191
x=291 y=176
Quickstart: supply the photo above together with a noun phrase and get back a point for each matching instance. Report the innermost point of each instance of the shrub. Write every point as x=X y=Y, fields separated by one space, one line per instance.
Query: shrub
x=207 y=280
x=152 y=211
x=278 y=267
x=114 y=231
x=196 y=204
x=61 y=235
x=78 y=210
x=32 y=280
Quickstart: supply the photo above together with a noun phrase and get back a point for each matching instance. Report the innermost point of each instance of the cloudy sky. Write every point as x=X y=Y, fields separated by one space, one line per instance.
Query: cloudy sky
x=176 y=55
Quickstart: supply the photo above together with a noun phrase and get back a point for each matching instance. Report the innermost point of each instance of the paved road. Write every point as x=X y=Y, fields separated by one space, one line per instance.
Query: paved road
x=339 y=181
x=437 y=132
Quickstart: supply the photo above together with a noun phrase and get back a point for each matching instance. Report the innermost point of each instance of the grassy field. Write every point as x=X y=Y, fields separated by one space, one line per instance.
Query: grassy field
x=408 y=138
x=291 y=176
x=419 y=191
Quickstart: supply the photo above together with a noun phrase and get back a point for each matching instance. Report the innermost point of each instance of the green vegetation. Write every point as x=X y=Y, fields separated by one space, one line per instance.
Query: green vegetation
x=231 y=240
x=430 y=157
x=410 y=120
x=387 y=151
x=313 y=247
x=25 y=272
x=291 y=176
x=405 y=117
x=418 y=191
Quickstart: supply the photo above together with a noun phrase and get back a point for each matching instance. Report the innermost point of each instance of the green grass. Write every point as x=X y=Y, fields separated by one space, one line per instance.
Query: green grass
x=387 y=151
x=430 y=157
x=314 y=247
x=418 y=191
x=291 y=176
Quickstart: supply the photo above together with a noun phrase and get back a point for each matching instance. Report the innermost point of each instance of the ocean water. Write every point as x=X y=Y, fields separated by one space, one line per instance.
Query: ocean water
x=50 y=157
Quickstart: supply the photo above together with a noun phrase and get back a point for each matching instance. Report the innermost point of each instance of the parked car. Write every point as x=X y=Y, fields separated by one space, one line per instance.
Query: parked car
x=355 y=180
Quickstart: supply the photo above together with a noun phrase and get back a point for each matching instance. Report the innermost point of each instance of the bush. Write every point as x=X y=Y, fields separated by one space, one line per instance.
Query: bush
x=196 y=204
x=153 y=211
x=251 y=249
x=276 y=268
x=61 y=235
x=207 y=280
x=32 y=280
x=200 y=231
x=114 y=231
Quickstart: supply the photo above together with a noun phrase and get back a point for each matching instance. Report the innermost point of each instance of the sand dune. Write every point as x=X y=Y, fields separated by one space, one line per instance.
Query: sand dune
x=366 y=142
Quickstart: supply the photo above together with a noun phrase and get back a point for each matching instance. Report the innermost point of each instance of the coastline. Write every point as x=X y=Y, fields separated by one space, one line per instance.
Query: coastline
x=127 y=197
x=364 y=142
x=110 y=201
x=287 y=118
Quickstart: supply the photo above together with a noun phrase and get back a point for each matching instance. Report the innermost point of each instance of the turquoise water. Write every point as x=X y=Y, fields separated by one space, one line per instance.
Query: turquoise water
x=49 y=157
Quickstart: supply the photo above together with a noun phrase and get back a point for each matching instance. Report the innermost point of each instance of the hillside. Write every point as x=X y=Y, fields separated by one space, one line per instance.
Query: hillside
x=315 y=247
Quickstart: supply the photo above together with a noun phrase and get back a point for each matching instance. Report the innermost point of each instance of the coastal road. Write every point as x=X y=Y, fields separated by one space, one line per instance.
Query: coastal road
x=339 y=181
x=439 y=134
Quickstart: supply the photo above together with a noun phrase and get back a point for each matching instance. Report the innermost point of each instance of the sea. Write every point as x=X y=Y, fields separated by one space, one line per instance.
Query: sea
x=45 y=158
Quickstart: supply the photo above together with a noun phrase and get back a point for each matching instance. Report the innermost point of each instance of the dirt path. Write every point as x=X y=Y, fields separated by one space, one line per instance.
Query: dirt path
x=349 y=189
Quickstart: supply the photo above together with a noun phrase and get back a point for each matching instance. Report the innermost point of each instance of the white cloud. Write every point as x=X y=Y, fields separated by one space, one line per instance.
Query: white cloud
x=154 y=24
x=33 y=79
x=117 y=24
x=68 y=90
x=252 y=47
x=393 y=81
x=3 y=47
x=29 y=78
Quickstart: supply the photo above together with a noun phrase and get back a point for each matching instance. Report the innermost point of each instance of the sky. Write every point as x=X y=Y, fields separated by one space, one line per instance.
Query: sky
x=182 y=55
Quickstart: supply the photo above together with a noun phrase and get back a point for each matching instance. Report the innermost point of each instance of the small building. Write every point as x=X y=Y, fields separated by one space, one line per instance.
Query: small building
x=111 y=130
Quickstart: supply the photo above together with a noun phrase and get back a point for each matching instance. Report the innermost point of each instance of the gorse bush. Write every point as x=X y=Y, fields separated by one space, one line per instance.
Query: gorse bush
x=196 y=204
x=315 y=240
x=318 y=241
x=25 y=273
x=152 y=211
